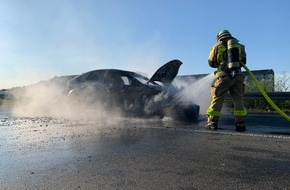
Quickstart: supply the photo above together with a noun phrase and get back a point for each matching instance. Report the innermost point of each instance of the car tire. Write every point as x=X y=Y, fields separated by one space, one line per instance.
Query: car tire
x=187 y=113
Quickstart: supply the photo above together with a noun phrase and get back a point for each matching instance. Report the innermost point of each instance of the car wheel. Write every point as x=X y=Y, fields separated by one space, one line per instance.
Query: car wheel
x=73 y=97
x=187 y=113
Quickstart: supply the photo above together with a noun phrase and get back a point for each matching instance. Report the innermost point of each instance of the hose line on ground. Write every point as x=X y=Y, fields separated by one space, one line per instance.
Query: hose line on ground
x=265 y=94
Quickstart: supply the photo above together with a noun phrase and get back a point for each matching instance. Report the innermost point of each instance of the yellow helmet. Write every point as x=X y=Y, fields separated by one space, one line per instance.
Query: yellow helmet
x=223 y=34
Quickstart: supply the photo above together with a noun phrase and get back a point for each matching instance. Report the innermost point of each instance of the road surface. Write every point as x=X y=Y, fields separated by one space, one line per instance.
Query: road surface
x=57 y=153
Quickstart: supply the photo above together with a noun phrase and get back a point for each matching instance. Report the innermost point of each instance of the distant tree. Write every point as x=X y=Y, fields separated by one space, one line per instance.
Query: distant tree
x=282 y=82
x=267 y=84
x=250 y=86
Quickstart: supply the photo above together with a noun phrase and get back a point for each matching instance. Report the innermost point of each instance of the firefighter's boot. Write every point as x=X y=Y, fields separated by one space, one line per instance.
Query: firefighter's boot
x=211 y=123
x=240 y=126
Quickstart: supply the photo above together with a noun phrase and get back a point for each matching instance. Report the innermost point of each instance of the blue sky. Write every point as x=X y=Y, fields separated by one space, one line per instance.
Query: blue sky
x=40 y=39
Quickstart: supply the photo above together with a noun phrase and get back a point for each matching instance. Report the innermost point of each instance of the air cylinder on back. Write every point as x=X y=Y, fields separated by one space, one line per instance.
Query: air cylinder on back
x=233 y=56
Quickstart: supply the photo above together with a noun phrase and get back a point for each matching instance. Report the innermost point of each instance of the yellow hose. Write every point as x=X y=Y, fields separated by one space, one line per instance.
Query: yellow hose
x=265 y=94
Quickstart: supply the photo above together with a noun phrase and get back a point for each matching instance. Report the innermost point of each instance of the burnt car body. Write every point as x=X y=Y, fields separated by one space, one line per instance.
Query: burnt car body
x=132 y=93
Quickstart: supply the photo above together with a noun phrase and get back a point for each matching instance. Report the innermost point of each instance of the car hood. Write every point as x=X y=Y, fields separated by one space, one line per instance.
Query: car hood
x=167 y=72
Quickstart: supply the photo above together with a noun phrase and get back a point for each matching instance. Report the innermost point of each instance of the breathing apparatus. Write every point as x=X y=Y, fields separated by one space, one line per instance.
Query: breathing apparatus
x=233 y=56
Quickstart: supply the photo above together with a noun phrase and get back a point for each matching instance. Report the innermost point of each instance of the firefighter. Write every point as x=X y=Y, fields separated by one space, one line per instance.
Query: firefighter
x=226 y=56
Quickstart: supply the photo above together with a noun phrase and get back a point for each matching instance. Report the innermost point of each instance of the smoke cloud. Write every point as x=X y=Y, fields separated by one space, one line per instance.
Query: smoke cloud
x=195 y=91
x=50 y=99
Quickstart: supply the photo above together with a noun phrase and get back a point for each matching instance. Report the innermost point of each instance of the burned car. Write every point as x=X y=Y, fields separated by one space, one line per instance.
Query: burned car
x=132 y=93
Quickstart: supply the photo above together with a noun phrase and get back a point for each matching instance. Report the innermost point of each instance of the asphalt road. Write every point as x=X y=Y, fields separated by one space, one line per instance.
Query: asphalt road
x=55 y=153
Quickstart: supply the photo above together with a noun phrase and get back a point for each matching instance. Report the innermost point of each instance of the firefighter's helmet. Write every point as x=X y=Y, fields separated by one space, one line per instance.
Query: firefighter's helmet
x=223 y=34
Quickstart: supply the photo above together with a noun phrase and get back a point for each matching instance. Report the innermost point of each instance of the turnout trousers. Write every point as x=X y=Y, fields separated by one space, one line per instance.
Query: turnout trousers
x=219 y=88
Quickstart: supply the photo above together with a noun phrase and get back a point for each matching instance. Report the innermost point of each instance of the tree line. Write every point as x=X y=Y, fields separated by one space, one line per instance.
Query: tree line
x=280 y=83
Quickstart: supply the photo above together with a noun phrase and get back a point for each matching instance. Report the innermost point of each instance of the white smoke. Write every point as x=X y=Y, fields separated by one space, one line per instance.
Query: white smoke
x=153 y=105
x=50 y=100
x=195 y=92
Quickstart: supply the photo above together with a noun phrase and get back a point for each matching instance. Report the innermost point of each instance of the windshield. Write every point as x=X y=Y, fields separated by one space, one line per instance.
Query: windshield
x=143 y=80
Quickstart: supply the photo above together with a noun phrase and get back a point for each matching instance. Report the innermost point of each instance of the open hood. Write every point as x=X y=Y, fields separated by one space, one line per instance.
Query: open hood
x=167 y=72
